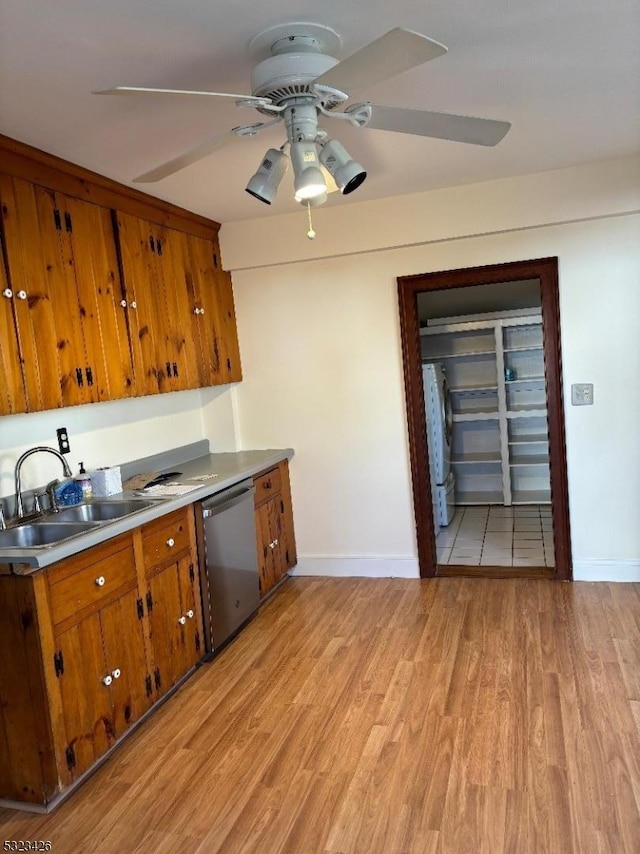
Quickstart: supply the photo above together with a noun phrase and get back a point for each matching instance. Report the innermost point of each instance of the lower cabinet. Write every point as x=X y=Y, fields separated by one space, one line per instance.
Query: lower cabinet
x=91 y=643
x=172 y=598
x=274 y=526
x=99 y=656
x=95 y=641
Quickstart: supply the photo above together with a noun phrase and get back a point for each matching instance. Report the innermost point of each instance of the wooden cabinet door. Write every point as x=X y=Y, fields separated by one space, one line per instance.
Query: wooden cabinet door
x=167 y=638
x=207 y=312
x=99 y=295
x=12 y=394
x=267 y=535
x=143 y=314
x=288 y=550
x=86 y=700
x=62 y=264
x=191 y=612
x=174 y=268
x=229 y=329
x=123 y=641
x=35 y=264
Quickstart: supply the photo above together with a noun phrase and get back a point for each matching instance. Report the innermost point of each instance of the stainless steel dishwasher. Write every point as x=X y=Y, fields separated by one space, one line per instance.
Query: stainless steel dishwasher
x=228 y=562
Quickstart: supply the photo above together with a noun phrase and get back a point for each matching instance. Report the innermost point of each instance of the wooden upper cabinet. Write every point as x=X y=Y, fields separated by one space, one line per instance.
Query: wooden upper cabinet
x=99 y=295
x=12 y=395
x=63 y=274
x=99 y=301
x=30 y=275
x=229 y=328
x=184 y=320
x=152 y=265
x=214 y=319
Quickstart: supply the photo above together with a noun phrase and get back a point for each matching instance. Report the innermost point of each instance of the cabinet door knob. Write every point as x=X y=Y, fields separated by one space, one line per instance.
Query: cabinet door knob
x=108 y=679
x=116 y=673
x=7 y=292
x=201 y=311
x=21 y=294
x=171 y=542
x=196 y=310
x=123 y=303
x=182 y=620
x=133 y=304
x=272 y=544
x=101 y=580
x=190 y=614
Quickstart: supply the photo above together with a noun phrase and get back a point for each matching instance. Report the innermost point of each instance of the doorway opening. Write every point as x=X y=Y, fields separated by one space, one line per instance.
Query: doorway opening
x=483 y=384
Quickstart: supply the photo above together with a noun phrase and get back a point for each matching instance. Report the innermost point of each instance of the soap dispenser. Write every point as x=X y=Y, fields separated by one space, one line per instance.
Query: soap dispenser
x=85 y=482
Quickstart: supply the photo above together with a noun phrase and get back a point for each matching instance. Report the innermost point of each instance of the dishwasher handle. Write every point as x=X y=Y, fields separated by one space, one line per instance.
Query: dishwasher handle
x=227 y=499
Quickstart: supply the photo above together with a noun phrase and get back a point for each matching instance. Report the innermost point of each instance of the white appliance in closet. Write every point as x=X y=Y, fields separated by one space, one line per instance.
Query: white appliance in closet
x=439 y=435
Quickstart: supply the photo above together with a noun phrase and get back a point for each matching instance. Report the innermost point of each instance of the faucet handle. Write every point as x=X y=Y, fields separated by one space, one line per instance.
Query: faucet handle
x=51 y=492
x=37 y=502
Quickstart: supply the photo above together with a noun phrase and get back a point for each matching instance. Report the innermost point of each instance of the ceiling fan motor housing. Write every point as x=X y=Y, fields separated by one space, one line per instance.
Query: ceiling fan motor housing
x=288 y=74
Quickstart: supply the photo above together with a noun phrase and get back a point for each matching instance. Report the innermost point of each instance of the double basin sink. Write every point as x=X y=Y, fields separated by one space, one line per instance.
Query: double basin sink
x=52 y=528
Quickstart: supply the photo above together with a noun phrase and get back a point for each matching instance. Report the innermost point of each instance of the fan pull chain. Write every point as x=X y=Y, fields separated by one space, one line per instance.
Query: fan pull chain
x=311 y=233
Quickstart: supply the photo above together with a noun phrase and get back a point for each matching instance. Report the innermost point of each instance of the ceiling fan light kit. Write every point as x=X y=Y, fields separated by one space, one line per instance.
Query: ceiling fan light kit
x=264 y=184
x=297 y=80
x=346 y=172
x=309 y=181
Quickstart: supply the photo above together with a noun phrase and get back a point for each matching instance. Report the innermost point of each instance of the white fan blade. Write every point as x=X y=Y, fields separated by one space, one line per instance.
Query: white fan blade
x=391 y=54
x=438 y=125
x=186 y=159
x=135 y=90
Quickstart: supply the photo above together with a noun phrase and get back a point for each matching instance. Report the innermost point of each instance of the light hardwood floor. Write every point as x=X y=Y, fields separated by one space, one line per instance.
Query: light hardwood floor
x=365 y=715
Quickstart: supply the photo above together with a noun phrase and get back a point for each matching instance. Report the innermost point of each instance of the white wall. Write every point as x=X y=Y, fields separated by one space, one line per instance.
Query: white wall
x=323 y=368
x=103 y=434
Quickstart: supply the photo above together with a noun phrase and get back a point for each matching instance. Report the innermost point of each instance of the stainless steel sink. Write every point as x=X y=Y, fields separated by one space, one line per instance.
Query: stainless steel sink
x=101 y=511
x=41 y=534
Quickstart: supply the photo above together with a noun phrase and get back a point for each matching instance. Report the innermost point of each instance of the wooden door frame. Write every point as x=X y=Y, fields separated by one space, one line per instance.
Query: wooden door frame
x=546 y=271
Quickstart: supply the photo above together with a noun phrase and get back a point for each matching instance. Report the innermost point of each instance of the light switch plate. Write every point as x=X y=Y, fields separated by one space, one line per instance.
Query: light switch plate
x=582 y=394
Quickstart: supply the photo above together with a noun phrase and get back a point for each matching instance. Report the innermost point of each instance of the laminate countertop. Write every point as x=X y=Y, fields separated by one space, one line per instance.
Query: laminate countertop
x=210 y=474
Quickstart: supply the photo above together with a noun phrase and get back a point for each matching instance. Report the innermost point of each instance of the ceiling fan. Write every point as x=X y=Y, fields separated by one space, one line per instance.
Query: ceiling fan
x=299 y=82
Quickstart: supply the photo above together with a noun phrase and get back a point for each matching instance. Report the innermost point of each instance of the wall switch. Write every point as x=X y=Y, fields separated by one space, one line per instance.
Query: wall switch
x=63 y=440
x=582 y=394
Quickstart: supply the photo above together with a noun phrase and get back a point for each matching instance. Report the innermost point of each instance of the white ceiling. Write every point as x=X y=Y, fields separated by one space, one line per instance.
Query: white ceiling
x=565 y=74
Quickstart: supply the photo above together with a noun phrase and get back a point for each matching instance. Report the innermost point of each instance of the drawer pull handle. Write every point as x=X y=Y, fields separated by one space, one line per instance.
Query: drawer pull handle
x=133 y=304
x=21 y=294
x=171 y=542
x=182 y=620
x=190 y=614
x=7 y=292
x=116 y=673
x=100 y=581
x=108 y=679
x=123 y=303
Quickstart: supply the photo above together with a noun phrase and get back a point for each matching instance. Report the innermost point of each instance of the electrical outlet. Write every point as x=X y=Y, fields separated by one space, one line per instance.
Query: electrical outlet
x=63 y=440
x=582 y=394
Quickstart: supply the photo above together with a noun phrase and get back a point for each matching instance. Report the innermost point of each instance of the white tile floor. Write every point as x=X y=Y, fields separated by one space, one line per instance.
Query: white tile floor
x=498 y=536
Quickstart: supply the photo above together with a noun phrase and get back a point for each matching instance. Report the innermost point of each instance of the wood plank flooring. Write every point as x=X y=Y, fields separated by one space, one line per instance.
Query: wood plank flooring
x=387 y=715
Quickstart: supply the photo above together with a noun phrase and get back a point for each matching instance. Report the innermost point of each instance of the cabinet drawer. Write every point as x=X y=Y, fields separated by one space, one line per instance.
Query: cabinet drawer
x=165 y=538
x=94 y=581
x=267 y=485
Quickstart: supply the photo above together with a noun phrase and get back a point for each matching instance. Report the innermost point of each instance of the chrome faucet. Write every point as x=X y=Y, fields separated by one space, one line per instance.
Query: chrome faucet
x=65 y=468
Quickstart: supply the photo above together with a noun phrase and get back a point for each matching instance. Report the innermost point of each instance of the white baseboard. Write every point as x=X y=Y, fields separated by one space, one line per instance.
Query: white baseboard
x=364 y=566
x=606 y=570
